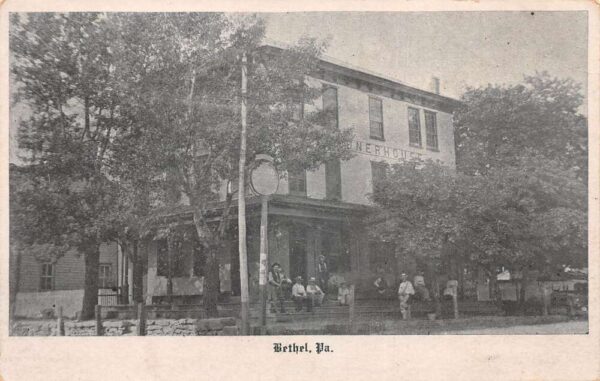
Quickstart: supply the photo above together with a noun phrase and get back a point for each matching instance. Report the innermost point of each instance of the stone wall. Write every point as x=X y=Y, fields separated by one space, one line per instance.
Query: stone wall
x=157 y=327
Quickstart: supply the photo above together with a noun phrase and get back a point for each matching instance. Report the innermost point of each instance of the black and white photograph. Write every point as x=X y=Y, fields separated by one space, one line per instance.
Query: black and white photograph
x=306 y=173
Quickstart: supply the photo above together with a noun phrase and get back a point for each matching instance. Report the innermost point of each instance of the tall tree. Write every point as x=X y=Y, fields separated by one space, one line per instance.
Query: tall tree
x=62 y=64
x=518 y=198
x=189 y=110
x=497 y=125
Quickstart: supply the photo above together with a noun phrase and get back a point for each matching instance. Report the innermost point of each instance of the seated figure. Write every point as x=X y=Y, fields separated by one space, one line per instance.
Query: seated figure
x=299 y=296
x=343 y=294
x=314 y=292
x=422 y=293
x=381 y=287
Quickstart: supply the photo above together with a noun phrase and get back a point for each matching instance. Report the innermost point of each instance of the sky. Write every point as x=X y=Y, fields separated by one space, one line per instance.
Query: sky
x=461 y=48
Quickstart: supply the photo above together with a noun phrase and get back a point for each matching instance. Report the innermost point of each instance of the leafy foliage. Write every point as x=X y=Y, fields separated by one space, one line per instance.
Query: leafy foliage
x=499 y=124
x=518 y=197
x=131 y=111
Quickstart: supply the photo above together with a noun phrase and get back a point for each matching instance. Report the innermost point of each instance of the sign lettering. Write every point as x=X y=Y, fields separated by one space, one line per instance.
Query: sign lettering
x=380 y=150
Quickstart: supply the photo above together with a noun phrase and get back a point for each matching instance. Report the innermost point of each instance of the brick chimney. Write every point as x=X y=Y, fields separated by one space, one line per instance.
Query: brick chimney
x=434 y=86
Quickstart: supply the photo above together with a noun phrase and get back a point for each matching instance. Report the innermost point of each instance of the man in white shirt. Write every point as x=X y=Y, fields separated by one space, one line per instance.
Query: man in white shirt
x=299 y=295
x=314 y=292
x=405 y=291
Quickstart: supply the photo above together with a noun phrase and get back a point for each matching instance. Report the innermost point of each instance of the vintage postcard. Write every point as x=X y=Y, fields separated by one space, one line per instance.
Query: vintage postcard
x=261 y=191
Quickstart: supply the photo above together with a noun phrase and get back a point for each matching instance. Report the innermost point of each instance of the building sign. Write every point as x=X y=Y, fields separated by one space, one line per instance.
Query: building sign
x=383 y=151
x=264 y=179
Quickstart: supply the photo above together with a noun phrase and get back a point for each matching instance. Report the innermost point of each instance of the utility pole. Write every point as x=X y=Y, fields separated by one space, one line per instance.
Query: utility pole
x=242 y=210
x=264 y=259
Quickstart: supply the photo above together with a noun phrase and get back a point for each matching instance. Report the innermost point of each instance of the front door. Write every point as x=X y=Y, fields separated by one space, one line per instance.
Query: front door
x=297 y=252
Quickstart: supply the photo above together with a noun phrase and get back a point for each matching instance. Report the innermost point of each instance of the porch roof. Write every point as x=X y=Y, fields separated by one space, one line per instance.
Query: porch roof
x=283 y=205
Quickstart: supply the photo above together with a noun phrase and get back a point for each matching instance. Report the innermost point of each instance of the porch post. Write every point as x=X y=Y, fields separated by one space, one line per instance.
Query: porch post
x=264 y=259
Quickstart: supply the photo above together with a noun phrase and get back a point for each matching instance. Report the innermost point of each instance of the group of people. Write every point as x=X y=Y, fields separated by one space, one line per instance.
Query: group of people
x=406 y=292
x=313 y=293
x=281 y=288
x=309 y=296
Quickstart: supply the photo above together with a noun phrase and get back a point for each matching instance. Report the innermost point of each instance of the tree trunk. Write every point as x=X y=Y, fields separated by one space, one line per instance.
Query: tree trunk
x=138 y=274
x=522 y=291
x=212 y=244
x=14 y=277
x=212 y=284
x=434 y=287
x=170 y=253
x=90 y=292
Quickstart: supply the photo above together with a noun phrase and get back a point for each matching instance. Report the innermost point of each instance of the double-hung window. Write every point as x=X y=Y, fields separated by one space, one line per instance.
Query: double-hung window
x=431 y=130
x=378 y=176
x=330 y=106
x=376 y=118
x=333 y=180
x=47 y=277
x=104 y=275
x=414 y=127
x=297 y=183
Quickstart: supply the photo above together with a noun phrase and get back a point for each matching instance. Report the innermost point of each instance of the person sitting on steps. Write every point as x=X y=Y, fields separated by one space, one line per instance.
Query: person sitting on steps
x=343 y=294
x=299 y=295
x=314 y=292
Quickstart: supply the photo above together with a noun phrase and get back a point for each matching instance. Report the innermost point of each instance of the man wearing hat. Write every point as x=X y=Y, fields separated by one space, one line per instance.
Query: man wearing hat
x=314 y=292
x=299 y=295
x=405 y=291
x=322 y=272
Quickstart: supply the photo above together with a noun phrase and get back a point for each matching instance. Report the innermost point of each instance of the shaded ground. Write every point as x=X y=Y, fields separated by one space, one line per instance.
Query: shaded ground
x=553 y=324
x=565 y=328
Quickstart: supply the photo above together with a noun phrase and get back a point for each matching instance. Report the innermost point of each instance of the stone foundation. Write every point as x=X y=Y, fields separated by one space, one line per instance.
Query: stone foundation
x=158 y=327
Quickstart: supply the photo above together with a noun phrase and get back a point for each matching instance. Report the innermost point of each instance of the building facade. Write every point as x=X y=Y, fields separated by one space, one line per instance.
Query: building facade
x=38 y=286
x=322 y=212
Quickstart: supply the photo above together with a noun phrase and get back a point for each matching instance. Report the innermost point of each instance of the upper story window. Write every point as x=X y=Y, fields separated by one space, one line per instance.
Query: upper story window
x=297 y=182
x=378 y=175
x=376 y=118
x=104 y=275
x=431 y=130
x=47 y=277
x=414 y=127
x=330 y=106
x=333 y=180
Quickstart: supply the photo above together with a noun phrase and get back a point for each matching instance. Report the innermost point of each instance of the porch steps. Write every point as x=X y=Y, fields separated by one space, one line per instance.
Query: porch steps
x=329 y=310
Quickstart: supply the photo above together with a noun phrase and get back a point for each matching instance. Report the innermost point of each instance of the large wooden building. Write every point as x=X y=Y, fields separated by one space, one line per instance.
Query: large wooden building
x=313 y=213
x=322 y=212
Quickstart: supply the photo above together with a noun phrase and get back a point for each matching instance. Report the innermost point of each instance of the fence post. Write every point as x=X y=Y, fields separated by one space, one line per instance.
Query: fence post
x=352 y=311
x=141 y=315
x=99 y=330
x=60 y=329
x=455 y=304
x=545 y=298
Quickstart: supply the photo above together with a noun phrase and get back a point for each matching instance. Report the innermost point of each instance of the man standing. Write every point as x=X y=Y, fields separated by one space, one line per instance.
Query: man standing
x=322 y=272
x=404 y=293
x=276 y=281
